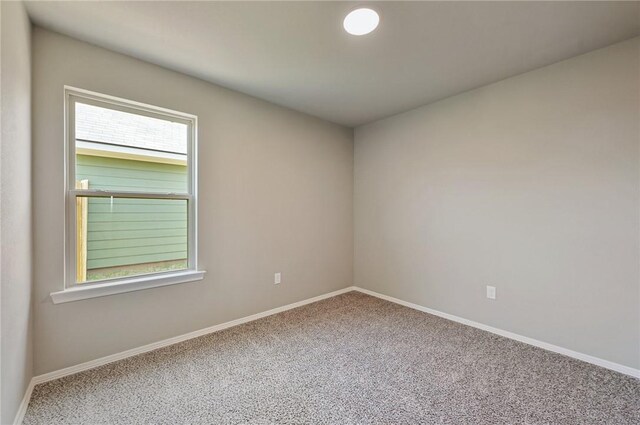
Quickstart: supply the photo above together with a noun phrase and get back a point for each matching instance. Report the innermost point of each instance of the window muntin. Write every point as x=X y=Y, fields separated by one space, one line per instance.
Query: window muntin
x=131 y=190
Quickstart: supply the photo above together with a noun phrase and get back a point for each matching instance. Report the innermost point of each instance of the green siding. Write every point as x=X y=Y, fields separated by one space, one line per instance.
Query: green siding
x=124 y=174
x=134 y=231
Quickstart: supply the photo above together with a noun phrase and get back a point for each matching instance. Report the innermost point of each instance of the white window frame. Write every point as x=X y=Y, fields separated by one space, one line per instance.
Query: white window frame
x=75 y=291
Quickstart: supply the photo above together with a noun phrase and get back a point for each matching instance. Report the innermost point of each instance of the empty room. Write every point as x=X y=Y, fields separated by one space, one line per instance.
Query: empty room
x=320 y=212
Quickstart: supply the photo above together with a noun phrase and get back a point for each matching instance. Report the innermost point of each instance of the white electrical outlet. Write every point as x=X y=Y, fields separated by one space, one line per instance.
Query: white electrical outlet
x=277 y=278
x=491 y=292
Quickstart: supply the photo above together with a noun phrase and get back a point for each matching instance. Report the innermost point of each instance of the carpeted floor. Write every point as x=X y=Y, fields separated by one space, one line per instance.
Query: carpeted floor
x=351 y=359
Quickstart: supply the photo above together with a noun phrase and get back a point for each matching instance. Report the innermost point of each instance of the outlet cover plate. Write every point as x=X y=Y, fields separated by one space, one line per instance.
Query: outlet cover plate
x=491 y=292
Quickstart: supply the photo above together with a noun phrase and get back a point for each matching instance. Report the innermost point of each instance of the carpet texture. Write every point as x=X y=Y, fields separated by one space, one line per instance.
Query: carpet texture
x=351 y=359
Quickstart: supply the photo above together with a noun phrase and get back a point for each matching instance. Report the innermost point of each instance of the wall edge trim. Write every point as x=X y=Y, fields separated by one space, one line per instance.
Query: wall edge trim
x=627 y=370
x=22 y=409
x=50 y=376
x=56 y=374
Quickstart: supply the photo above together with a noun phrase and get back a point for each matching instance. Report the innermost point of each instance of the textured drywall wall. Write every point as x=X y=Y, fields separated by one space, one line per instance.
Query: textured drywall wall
x=275 y=195
x=530 y=185
x=15 y=208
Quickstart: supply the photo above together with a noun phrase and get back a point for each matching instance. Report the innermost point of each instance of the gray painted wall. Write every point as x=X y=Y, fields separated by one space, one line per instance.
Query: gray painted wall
x=276 y=195
x=531 y=185
x=15 y=208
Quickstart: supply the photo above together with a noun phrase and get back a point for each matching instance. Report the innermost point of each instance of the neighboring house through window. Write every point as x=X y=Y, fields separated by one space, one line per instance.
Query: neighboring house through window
x=131 y=192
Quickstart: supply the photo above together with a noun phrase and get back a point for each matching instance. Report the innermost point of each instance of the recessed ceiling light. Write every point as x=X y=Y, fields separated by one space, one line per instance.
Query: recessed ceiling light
x=361 y=21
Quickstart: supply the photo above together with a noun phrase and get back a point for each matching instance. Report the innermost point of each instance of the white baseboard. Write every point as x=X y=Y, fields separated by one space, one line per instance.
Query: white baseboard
x=540 y=344
x=160 y=344
x=22 y=409
x=164 y=343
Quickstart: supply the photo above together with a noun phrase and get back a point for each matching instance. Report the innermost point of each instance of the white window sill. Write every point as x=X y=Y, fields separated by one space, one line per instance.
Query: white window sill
x=81 y=292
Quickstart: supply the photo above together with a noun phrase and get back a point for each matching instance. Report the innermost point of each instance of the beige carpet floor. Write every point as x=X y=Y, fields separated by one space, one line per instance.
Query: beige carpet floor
x=351 y=359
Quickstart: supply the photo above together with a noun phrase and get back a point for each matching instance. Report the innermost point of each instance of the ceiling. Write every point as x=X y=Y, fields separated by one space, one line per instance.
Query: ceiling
x=296 y=54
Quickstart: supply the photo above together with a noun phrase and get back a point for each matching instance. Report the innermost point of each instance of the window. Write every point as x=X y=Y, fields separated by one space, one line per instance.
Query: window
x=131 y=196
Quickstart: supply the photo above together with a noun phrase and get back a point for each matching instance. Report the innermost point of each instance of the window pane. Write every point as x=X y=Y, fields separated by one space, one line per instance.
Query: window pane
x=122 y=151
x=120 y=237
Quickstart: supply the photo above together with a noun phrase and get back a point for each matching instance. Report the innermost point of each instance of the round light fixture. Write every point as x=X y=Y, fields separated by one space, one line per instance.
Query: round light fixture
x=361 y=21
